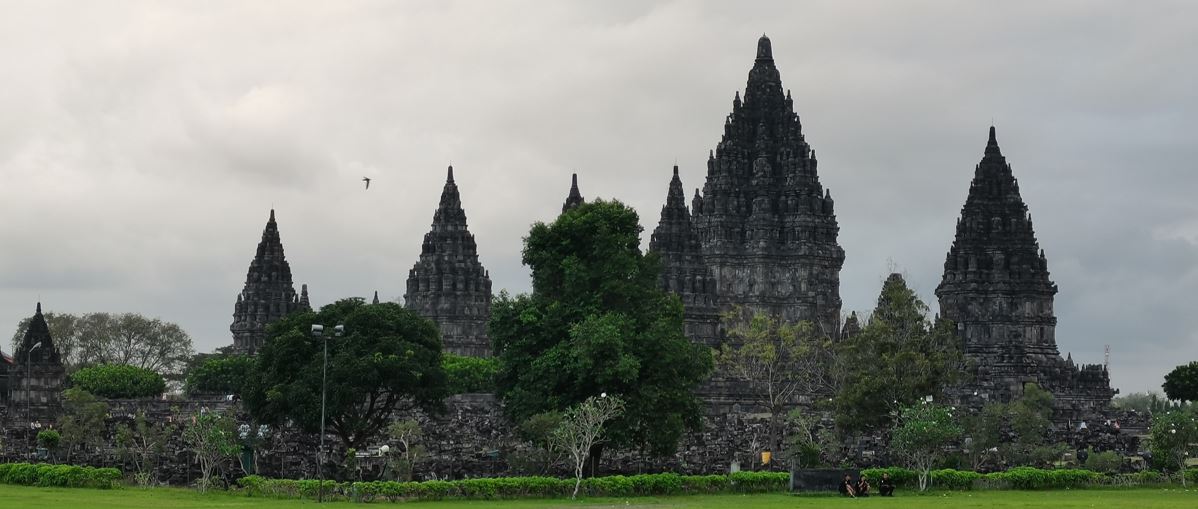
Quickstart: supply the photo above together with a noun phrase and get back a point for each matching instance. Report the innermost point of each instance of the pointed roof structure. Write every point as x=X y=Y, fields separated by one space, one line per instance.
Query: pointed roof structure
x=37 y=346
x=997 y=288
x=268 y=294
x=448 y=284
x=683 y=270
x=376 y=297
x=763 y=215
x=574 y=199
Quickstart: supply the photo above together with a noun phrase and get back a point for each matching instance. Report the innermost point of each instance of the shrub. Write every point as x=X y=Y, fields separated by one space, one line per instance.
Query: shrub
x=48 y=439
x=118 y=381
x=469 y=374
x=1106 y=461
x=520 y=487
x=59 y=476
x=950 y=479
x=219 y=375
x=1029 y=478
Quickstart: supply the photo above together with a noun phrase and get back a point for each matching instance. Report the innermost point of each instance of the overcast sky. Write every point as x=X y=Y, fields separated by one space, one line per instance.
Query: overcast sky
x=143 y=144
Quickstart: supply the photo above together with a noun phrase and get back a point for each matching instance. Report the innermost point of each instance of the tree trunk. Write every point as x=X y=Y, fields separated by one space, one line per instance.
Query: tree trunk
x=593 y=457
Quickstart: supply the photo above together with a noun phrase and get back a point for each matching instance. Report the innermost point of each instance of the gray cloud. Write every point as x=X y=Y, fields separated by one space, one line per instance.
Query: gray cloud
x=142 y=143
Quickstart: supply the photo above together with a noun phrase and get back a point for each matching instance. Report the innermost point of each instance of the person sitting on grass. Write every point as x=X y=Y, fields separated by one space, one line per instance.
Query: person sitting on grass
x=886 y=486
x=847 y=488
x=863 y=487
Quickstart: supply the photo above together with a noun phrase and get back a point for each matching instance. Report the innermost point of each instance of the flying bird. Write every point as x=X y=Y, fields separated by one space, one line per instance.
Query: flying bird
x=367 y=181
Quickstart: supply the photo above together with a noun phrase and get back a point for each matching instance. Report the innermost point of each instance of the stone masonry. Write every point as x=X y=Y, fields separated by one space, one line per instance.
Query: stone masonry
x=269 y=293
x=448 y=285
x=996 y=287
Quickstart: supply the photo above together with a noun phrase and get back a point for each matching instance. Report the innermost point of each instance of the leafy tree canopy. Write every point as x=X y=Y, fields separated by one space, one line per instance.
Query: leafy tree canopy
x=107 y=338
x=469 y=374
x=389 y=359
x=222 y=374
x=1181 y=384
x=597 y=322
x=118 y=381
x=897 y=359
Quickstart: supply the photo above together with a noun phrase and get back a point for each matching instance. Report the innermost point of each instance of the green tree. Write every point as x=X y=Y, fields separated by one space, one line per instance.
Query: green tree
x=118 y=381
x=897 y=359
x=407 y=433
x=1139 y=401
x=388 y=361
x=582 y=428
x=597 y=321
x=143 y=445
x=212 y=437
x=921 y=435
x=124 y=338
x=538 y=430
x=469 y=374
x=82 y=421
x=1174 y=439
x=220 y=374
x=1029 y=418
x=984 y=432
x=1181 y=384
x=776 y=362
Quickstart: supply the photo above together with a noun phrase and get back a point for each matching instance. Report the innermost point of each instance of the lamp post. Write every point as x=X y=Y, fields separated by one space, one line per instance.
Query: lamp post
x=318 y=332
x=29 y=382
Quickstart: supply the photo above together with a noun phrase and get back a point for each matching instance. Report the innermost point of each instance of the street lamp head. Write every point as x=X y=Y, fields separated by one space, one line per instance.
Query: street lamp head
x=603 y=395
x=385 y=449
x=317 y=330
x=339 y=330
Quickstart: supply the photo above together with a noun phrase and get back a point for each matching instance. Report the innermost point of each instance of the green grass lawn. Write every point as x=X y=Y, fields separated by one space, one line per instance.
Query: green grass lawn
x=19 y=497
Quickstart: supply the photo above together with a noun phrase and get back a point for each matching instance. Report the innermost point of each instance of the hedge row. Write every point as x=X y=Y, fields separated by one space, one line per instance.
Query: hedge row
x=1019 y=478
x=521 y=487
x=63 y=476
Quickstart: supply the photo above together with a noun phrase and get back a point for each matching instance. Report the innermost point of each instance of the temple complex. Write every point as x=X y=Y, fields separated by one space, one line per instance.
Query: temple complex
x=448 y=284
x=268 y=295
x=766 y=227
x=996 y=288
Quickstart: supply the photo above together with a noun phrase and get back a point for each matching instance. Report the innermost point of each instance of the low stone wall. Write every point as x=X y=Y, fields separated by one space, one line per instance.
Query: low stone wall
x=471 y=439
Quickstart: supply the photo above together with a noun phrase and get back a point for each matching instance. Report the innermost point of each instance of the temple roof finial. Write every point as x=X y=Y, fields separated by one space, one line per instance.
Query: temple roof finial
x=376 y=297
x=449 y=179
x=574 y=199
x=272 y=216
x=39 y=308
x=675 y=170
x=764 y=51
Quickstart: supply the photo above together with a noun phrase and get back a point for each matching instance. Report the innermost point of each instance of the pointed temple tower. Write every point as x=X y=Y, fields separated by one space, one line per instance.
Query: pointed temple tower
x=574 y=199
x=37 y=371
x=448 y=284
x=996 y=288
x=683 y=270
x=766 y=226
x=269 y=293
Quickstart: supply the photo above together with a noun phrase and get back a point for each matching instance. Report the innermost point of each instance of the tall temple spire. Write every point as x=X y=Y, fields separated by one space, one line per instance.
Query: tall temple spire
x=448 y=284
x=684 y=272
x=268 y=295
x=574 y=199
x=767 y=226
x=376 y=297
x=997 y=288
x=37 y=346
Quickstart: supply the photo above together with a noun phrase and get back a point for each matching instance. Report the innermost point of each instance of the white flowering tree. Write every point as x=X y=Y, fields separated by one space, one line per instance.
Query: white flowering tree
x=582 y=429
x=1174 y=437
x=921 y=434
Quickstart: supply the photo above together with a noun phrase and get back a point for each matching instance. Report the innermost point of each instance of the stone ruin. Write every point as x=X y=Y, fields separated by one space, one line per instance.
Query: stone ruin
x=761 y=235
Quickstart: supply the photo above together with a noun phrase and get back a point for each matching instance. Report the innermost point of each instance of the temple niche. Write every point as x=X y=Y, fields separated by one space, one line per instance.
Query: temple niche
x=996 y=288
x=448 y=284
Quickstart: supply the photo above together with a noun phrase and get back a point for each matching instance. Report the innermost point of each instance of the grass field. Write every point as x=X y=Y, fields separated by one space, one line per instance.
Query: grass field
x=172 y=498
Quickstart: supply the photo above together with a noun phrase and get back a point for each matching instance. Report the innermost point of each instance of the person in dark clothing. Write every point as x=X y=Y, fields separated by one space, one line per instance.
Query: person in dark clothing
x=886 y=486
x=847 y=488
x=863 y=487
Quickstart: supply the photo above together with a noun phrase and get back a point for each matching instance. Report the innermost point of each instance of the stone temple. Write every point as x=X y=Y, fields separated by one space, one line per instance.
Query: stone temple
x=765 y=228
x=996 y=288
x=448 y=284
x=269 y=293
